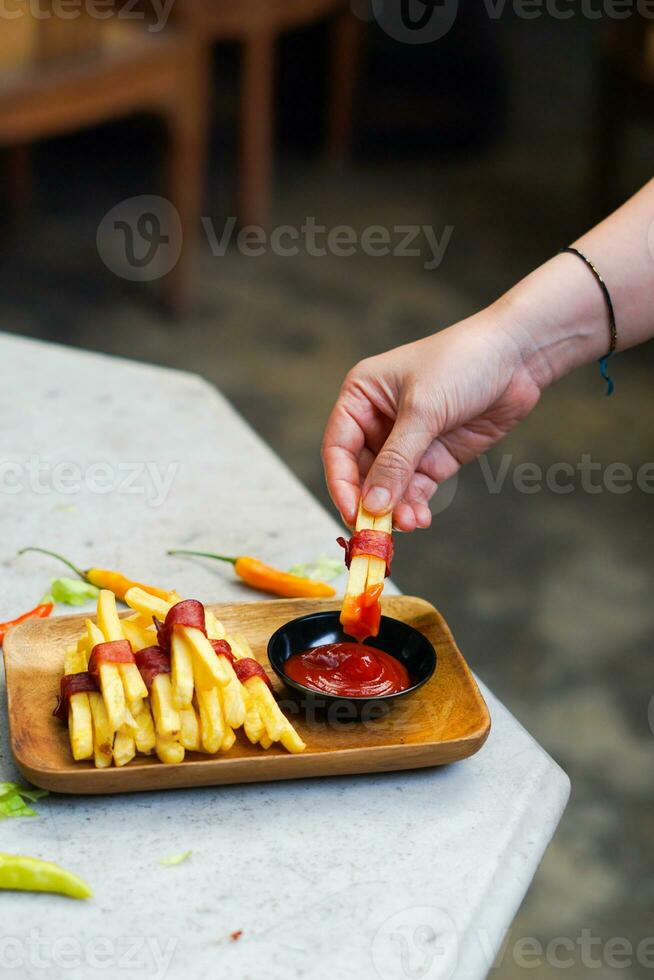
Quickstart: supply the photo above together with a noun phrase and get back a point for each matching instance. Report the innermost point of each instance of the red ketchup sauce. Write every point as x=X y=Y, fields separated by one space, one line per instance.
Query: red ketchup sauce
x=350 y=670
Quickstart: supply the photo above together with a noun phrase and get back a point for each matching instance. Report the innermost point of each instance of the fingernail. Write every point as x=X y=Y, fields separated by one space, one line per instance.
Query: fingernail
x=377 y=499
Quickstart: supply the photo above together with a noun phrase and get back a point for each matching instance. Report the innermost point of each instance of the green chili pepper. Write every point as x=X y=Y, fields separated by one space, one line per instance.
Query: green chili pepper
x=28 y=874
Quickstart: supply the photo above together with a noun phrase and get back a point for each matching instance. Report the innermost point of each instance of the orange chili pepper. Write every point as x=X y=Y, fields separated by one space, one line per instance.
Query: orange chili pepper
x=102 y=578
x=269 y=579
x=42 y=611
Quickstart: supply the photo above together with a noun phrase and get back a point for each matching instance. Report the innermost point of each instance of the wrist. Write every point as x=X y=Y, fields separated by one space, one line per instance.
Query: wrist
x=558 y=318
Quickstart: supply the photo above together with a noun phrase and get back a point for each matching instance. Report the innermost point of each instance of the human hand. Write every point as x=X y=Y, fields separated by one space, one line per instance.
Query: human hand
x=408 y=419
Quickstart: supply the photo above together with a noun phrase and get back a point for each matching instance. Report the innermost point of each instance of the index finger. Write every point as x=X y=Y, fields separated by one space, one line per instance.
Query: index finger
x=342 y=445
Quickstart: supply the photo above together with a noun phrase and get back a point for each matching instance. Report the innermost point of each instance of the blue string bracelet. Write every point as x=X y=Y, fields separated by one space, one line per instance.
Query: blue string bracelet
x=603 y=361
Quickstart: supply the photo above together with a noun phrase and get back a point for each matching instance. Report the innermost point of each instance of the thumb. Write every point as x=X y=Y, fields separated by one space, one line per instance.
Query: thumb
x=396 y=462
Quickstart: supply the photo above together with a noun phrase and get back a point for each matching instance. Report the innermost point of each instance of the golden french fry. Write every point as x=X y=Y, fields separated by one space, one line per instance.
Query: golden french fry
x=212 y=725
x=103 y=733
x=240 y=646
x=110 y=624
x=215 y=629
x=253 y=726
x=377 y=566
x=169 y=750
x=107 y=616
x=228 y=739
x=189 y=733
x=358 y=574
x=265 y=742
x=181 y=676
x=113 y=694
x=133 y=685
x=165 y=714
x=273 y=719
x=80 y=727
x=232 y=697
x=148 y=605
x=80 y=722
x=111 y=684
x=84 y=649
x=144 y=735
x=208 y=669
x=139 y=636
x=124 y=747
x=291 y=740
x=365 y=572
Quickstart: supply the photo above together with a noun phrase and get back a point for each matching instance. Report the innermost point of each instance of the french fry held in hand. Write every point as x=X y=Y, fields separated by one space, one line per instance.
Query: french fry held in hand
x=165 y=679
x=368 y=555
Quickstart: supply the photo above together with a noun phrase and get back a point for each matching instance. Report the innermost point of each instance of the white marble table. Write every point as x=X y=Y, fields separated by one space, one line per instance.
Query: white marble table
x=390 y=876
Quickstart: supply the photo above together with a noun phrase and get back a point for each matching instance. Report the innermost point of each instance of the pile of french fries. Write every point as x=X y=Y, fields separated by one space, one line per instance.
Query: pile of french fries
x=197 y=707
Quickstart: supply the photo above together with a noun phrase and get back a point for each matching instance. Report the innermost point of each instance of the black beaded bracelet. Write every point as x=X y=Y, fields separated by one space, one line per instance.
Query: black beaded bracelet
x=603 y=361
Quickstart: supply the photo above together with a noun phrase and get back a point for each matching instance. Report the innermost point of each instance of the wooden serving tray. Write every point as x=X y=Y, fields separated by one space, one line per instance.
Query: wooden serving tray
x=442 y=722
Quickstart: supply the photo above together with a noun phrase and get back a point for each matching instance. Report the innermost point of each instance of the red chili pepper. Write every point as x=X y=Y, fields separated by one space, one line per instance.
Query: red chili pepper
x=42 y=611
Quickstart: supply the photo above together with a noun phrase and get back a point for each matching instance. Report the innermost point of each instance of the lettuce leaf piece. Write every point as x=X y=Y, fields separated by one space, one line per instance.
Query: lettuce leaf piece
x=176 y=858
x=72 y=591
x=323 y=569
x=12 y=800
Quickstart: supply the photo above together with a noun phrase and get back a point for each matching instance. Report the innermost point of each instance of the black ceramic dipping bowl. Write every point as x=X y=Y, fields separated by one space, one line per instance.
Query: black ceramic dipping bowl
x=398 y=639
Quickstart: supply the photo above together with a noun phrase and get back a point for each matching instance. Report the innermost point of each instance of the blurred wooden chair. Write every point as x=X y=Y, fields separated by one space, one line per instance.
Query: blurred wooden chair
x=624 y=92
x=257 y=25
x=58 y=75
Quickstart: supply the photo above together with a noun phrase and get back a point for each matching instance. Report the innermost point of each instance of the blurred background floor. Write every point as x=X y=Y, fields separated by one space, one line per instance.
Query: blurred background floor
x=546 y=593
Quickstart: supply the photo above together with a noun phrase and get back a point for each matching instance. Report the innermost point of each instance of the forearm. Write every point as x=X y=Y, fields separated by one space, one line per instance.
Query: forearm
x=558 y=313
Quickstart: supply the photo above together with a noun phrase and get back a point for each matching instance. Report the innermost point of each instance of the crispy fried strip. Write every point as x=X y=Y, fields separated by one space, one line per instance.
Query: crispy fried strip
x=212 y=723
x=80 y=721
x=111 y=685
x=181 y=675
x=166 y=716
x=169 y=750
x=189 y=735
x=103 y=732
